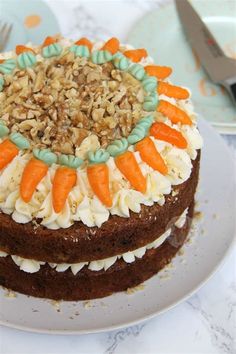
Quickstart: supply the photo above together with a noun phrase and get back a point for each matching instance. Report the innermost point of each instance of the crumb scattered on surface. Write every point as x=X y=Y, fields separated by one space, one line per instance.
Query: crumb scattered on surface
x=198 y=215
x=133 y=290
x=88 y=304
x=165 y=276
x=190 y=241
x=202 y=232
x=181 y=252
x=215 y=216
x=56 y=305
x=10 y=294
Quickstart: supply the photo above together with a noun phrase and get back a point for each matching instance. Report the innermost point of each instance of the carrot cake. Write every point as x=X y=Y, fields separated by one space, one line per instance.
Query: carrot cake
x=99 y=164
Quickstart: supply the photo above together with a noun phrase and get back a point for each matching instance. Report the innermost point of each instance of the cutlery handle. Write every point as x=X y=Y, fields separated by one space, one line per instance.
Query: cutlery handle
x=230 y=86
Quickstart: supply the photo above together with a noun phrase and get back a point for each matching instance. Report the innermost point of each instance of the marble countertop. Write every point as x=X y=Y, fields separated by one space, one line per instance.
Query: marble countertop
x=206 y=322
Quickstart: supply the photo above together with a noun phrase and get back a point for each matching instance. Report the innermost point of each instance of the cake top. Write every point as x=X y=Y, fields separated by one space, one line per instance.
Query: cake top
x=88 y=130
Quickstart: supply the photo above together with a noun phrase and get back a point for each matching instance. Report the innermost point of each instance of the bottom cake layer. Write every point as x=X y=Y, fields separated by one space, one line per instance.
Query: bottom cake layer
x=48 y=283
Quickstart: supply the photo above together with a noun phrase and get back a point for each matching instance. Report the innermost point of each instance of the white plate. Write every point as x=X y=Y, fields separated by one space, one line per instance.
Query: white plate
x=167 y=44
x=212 y=240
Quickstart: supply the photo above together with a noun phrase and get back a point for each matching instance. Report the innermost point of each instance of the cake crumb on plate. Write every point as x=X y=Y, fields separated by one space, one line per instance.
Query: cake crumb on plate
x=133 y=290
x=10 y=294
x=88 y=304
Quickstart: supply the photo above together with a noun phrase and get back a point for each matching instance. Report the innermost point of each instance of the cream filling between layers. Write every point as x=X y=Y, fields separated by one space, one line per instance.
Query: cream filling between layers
x=82 y=205
x=33 y=266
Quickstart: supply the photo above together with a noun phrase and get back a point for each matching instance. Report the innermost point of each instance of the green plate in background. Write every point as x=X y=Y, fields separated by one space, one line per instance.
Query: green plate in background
x=161 y=34
x=32 y=21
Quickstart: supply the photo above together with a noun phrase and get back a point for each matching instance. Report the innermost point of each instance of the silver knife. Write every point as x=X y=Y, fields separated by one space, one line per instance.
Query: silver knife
x=220 y=68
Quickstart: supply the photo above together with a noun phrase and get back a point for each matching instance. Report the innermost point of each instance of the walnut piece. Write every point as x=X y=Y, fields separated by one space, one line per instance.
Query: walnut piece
x=69 y=104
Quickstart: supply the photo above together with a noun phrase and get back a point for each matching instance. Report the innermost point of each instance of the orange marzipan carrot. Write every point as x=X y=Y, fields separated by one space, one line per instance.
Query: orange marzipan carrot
x=86 y=42
x=112 y=45
x=150 y=155
x=136 y=54
x=163 y=132
x=22 y=49
x=2 y=61
x=48 y=41
x=8 y=151
x=160 y=72
x=98 y=176
x=64 y=180
x=129 y=167
x=172 y=91
x=175 y=114
x=33 y=173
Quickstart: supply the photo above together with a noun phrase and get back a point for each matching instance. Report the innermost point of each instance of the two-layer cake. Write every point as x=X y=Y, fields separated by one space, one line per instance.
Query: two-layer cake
x=99 y=162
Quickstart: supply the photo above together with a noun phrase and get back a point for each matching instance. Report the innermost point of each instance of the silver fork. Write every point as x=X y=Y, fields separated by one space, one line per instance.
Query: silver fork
x=5 y=31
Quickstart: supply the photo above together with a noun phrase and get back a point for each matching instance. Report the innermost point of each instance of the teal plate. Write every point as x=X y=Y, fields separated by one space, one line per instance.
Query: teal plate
x=32 y=21
x=160 y=32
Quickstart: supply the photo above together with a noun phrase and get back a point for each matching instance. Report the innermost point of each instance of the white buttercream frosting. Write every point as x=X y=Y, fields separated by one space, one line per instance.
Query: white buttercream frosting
x=82 y=205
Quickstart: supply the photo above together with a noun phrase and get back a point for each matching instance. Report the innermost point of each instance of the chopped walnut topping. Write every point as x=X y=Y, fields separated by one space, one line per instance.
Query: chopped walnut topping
x=62 y=101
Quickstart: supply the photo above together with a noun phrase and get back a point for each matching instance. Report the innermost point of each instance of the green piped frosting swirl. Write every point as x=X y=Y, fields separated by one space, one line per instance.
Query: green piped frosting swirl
x=52 y=50
x=146 y=122
x=141 y=130
x=1 y=83
x=80 y=50
x=26 y=60
x=70 y=161
x=7 y=66
x=118 y=147
x=45 y=155
x=3 y=129
x=101 y=56
x=99 y=156
x=149 y=83
x=20 y=141
x=150 y=102
x=120 y=61
x=137 y=71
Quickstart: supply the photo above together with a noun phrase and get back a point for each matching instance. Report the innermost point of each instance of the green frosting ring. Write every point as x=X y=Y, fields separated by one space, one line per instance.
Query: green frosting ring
x=120 y=61
x=99 y=156
x=70 y=161
x=118 y=147
x=52 y=50
x=3 y=129
x=1 y=83
x=149 y=83
x=137 y=134
x=150 y=102
x=20 y=141
x=45 y=155
x=80 y=50
x=7 y=66
x=137 y=71
x=101 y=56
x=141 y=130
x=26 y=59
x=146 y=122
